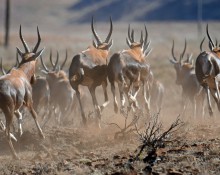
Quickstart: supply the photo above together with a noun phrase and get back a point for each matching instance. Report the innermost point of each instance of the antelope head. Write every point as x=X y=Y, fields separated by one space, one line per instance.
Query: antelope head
x=99 y=44
x=142 y=44
x=57 y=71
x=178 y=65
x=28 y=55
x=213 y=47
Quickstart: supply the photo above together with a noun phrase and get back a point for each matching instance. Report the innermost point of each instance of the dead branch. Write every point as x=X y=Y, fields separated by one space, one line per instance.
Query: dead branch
x=128 y=126
x=153 y=137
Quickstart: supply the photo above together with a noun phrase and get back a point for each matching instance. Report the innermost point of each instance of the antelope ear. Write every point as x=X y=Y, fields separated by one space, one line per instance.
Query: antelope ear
x=45 y=72
x=173 y=61
x=20 y=52
x=128 y=42
x=39 y=53
x=110 y=44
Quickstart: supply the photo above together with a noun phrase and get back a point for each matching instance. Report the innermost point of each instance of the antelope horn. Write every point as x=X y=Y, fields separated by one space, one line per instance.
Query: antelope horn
x=38 y=42
x=23 y=42
x=129 y=34
x=44 y=66
x=202 y=44
x=94 y=33
x=64 y=61
x=132 y=35
x=128 y=42
x=142 y=40
x=51 y=60
x=146 y=35
x=210 y=39
x=146 y=46
x=216 y=42
x=173 y=52
x=184 y=50
x=55 y=66
x=2 y=69
x=110 y=32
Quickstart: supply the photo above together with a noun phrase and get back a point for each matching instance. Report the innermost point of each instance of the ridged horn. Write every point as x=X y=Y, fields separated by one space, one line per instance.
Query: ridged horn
x=210 y=39
x=64 y=62
x=38 y=41
x=110 y=32
x=23 y=41
x=99 y=41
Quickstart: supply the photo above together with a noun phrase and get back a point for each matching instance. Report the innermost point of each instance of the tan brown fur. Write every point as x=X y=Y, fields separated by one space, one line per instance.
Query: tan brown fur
x=136 y=53
x=98 y=56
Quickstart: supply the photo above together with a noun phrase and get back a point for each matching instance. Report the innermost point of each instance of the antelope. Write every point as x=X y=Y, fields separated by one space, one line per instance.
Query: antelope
x=208 y=71
x=128 y=68
x=41 y=94
x=89 y=68
x=61 y=92
x=40 y=90
x=156 y=92
x=186 y=78
x=15 y=88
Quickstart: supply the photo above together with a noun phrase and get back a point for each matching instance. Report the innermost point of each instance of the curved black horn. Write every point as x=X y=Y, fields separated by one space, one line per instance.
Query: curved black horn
x=216 y=42
x=172 y=51
x=99 y=41
x=55 y=66
x=44 y=66
x=210 y=39
x=132 y=35
x=129 y=33
x=146 y=35
x=23 y=41
x=201 y=44
x=51 y=60
x=128 y=42
x=184 y=50
x=64 y=62
x=142 y=39
x=38 y=41
x=110 y=32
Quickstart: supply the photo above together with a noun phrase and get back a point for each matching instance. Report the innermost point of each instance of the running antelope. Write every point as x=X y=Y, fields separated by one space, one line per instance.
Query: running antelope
x=89 y=68
x=61 y=92
x=208 y=71
x=40 y=90
x=186 y=78
x=128 y=68
x=15 y=88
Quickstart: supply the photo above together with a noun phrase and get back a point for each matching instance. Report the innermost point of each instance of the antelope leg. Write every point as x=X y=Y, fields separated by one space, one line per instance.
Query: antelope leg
x=3 y=128
x=217 y=79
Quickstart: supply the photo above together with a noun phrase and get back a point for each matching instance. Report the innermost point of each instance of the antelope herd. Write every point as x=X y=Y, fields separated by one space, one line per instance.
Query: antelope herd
x=55 y=92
